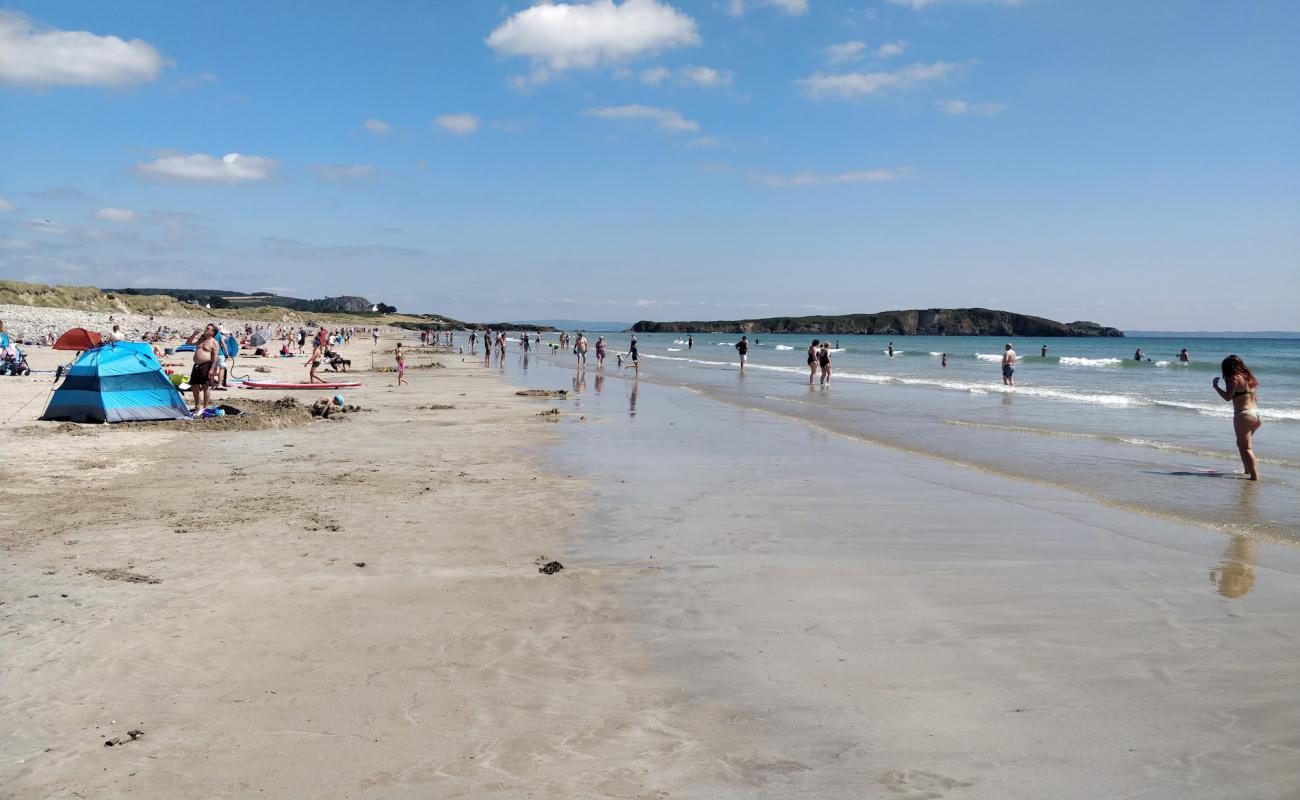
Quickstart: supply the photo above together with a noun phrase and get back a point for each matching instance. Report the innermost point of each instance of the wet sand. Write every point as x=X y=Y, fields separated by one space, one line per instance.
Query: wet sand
x=749 y=608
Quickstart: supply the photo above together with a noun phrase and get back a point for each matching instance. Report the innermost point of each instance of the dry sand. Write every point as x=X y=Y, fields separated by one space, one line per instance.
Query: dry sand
x=353 y=608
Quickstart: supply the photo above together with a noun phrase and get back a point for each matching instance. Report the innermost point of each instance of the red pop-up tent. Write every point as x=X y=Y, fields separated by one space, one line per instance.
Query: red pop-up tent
x=79 y=339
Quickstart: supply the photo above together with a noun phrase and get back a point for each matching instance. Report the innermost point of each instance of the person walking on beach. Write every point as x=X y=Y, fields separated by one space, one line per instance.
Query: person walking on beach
x=635 y=357
x=401 y=364
x=1008 y=366
x=580 y=349
x=203 y=373
x=601 y=349
x=742 y=347
x=812 y=360
x=824 y=359
x=1239 y=389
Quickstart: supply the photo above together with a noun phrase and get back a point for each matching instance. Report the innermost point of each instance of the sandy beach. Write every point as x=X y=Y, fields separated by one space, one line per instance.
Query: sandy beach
x=353 y=608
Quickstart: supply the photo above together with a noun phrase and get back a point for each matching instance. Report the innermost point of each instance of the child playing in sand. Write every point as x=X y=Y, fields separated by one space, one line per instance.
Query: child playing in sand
x=401 y=364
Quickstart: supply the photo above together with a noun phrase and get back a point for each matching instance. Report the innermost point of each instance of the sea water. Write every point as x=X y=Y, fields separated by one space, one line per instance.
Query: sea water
x=1151 y=435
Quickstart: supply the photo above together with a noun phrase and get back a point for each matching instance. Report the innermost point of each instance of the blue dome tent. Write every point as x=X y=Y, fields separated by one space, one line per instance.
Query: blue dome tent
x=116 y=382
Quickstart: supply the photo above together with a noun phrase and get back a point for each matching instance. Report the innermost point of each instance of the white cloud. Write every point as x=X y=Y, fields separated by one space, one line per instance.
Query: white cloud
x=852 y=85
x=36 y=57
x=344 y=172
x=376 y=126
x=845 y=51
x=703 y=77
x=203 y=168
x=792 y=7
x=962 y=107
x=814 y=178
x=459 y=124
x=666 y=118
x=111 y=214
x=6 y=206
x=655 y=75
x=563 y=36
x=917 y=5
x=856 y=50
x=706 y=77
x=891 y=49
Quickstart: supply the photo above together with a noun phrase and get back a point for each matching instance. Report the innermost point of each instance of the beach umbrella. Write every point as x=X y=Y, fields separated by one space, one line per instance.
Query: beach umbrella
x=258 y=339
x=78 y=339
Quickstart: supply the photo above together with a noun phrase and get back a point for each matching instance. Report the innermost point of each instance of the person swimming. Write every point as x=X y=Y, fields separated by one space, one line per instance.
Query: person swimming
x=1239 y=389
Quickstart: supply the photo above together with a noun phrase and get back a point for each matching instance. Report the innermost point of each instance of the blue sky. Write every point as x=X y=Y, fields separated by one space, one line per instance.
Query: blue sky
x=1133 y=163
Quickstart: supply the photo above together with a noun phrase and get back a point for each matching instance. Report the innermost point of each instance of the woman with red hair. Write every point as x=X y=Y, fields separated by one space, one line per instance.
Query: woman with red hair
x=1239 y=389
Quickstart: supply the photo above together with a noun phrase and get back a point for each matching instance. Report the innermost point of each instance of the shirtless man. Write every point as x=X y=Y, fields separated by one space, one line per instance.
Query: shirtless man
x=580 y=349
x=1008 y=366
x=203 y=373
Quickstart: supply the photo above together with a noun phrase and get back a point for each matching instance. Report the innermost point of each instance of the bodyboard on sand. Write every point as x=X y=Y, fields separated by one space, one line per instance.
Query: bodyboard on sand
x=270 y=385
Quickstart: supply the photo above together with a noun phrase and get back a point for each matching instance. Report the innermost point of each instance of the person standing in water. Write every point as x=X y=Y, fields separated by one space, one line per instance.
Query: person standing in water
x=1044 y=353
x=944 y=361
x=742 y=347
x=1239 y=389
x=1137 y=354
x=580 y=349
x=634 y=356
x=824 y=360
x=812 y=360
x=1008 y=366
x=1183 y=356
x=601 y=349
x=690 y=342
x=891 y=350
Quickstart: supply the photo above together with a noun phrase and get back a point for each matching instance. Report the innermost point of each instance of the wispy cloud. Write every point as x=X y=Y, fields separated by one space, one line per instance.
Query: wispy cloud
x=376 y=126
x=853 y=85
x=959 y=108
x=879 y=175
x=557 y=37
x=295 y=249
x=918 y=5
x=856 y=50
x=691 y=75
x=111 y=214
x=202 y=168
x=34 y=56
x=460 y=124
x=344 y=173
x=665 y=118
x=794 y=8
x=6 y=206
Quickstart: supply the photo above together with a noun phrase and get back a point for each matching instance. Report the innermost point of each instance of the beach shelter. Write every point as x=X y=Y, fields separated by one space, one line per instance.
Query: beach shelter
x=116 y=382
x=78 y=339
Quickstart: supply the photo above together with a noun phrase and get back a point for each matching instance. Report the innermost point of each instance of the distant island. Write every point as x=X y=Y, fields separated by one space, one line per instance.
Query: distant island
x=916 y=322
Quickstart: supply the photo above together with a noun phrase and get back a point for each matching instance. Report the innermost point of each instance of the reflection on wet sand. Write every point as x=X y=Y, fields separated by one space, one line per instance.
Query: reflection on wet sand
x=631 y=406
x=600 y=383
x=1235 y=573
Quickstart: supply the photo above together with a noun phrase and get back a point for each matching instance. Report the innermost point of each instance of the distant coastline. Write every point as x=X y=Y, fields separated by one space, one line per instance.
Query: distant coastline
x=913 y=322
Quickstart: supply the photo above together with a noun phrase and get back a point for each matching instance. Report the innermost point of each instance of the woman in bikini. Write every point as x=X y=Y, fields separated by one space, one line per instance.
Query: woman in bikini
x=812 y=360
x=1239 y=389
